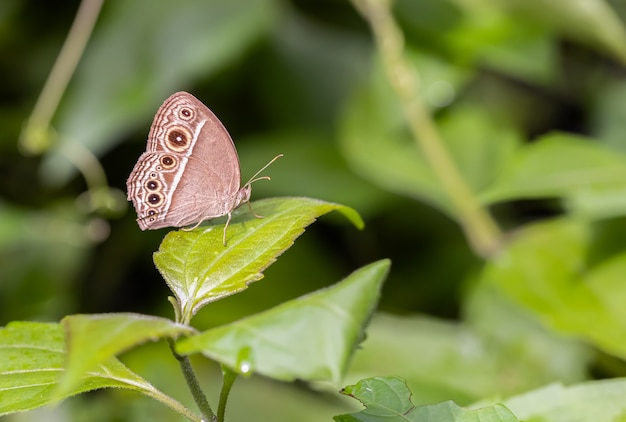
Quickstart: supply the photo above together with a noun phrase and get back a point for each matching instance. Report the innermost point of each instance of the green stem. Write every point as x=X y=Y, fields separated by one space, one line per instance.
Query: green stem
x=480 y=228
x=193 y=384
x=227 y=383
x=36 y=134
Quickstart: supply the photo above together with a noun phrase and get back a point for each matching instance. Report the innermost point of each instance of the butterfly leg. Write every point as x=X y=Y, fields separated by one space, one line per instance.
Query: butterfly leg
x=225 y=227
x=252 y=211
x=188 y=229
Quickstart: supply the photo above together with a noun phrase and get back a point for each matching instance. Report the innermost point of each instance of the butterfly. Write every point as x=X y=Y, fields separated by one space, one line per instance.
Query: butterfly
x=190 y=171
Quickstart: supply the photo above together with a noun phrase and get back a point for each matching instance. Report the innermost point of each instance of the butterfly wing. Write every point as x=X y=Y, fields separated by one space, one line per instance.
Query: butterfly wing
x=190 y=171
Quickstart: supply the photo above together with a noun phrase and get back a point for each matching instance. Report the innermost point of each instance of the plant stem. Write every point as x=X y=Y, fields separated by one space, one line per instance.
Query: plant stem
x=38 y=135
x=227 y=383
x=193 y=384
x=34 y=139
x=483 y=233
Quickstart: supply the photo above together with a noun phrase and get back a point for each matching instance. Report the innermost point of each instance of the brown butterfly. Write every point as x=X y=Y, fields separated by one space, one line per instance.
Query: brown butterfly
x=190 y=170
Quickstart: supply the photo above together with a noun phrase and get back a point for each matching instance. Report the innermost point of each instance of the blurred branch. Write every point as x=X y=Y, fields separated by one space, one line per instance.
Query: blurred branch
x=479 y=226
x=37 y=134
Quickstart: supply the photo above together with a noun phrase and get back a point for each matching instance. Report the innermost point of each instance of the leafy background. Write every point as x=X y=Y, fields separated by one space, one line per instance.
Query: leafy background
x=509 y=82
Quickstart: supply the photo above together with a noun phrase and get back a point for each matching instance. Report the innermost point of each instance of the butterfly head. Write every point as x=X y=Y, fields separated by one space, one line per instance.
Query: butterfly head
x=243 y=195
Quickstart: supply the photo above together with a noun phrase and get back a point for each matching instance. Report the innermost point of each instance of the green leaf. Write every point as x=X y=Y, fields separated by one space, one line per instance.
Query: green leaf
x=480 y=145
x=199 y=269
x=607 y=119
x=590 y=177
x=32 y=357
x=524 y=52
x=446 y=360
x=542 y=270
x=593 y=22
x=311 y=338
x=389 y=399
x=517 y=341
x=93 y=339
x=590 y=401
x=598 y=202
x=480 y=34
x=559 y=165
x=382 y=396
x=546 y=270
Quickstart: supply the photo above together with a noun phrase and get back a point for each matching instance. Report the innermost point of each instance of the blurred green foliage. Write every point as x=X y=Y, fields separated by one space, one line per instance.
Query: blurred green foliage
x=527 y=95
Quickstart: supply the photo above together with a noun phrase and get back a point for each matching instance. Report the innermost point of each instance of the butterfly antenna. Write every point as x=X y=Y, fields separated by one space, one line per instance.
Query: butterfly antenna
x=255 y=178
